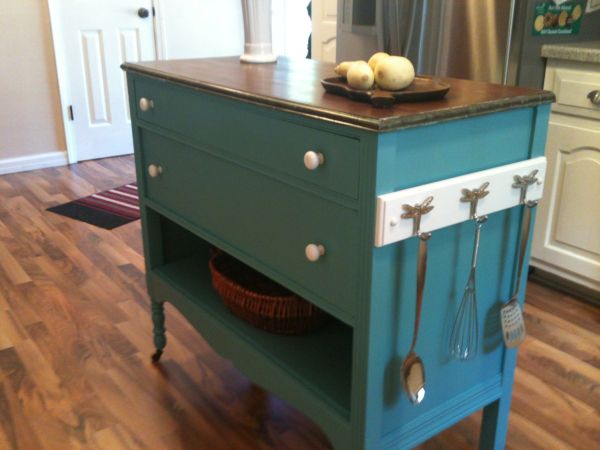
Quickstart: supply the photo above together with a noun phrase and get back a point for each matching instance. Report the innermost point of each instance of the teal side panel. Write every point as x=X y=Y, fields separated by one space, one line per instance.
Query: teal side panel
x=425 y=154
x=454 y=388
x=494 y=425
x=448 y=266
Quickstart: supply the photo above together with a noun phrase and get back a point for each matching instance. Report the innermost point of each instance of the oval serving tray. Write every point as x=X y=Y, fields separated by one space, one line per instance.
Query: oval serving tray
x=421 y=89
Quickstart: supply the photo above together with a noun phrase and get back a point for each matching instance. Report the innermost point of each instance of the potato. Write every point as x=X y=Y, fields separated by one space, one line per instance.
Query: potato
x=373 y=60
x=394 y=73
x=360 y=76
x=342 y=68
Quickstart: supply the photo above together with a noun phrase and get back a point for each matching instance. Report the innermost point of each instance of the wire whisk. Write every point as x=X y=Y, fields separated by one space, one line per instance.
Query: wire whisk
x=465 y=331
x=464 y=337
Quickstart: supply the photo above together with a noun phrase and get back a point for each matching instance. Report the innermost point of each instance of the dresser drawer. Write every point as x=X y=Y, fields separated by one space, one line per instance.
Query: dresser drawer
x=573 y=89
x=238 y=130
x=259 y=216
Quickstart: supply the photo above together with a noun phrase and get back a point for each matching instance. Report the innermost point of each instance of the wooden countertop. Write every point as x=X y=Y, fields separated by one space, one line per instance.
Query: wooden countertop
x=294 y=85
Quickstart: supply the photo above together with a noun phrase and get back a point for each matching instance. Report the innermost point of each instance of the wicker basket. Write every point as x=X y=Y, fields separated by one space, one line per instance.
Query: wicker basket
x=260 y=301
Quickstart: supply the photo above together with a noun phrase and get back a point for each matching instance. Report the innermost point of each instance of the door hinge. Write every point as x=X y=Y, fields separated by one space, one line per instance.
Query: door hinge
x=153 y=11
x=70 y=112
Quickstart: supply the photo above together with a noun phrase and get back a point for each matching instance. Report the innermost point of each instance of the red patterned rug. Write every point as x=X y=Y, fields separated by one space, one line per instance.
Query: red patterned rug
x=107 y=209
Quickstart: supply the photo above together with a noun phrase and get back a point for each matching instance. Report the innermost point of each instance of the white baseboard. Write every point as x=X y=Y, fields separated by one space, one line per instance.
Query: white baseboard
x=32 y=162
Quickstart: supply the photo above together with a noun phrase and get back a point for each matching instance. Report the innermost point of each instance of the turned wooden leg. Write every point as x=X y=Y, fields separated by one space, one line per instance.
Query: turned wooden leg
x=158 y=321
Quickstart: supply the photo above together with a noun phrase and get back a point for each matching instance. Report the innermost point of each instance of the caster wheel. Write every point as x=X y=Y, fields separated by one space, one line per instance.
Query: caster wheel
x=156 y=356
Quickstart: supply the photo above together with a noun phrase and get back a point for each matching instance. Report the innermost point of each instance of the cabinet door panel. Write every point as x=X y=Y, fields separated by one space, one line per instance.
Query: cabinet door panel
x=568 y=229
x=578 y=213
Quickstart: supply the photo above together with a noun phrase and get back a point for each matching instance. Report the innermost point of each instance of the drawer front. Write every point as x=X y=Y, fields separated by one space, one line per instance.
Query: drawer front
x=573 y=89
x=243 y=131
x=259 y=216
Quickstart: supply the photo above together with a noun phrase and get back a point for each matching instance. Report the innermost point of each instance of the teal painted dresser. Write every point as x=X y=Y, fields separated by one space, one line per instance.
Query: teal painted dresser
x=259 y=161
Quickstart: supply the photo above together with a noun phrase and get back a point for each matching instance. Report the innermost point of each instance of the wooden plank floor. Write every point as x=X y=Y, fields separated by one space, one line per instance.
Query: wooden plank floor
x=75 y=341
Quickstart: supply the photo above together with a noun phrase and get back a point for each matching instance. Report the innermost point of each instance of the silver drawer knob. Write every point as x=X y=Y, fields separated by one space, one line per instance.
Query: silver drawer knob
x=594 y=97
x=314 y=252
x=146 y=104
x=312 y=160
x=155 y=170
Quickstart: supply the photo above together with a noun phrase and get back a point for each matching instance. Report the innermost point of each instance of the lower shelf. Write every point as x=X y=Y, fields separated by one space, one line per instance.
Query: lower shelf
x=318 y=365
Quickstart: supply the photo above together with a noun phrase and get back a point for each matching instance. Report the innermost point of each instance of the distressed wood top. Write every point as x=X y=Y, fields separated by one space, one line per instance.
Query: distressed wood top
x=295 y=85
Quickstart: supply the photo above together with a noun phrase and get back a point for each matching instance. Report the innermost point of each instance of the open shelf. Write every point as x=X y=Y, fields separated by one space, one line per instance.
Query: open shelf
x=317 y=365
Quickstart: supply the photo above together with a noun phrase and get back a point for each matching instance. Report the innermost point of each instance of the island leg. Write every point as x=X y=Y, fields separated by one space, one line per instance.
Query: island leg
x=494 y=425
x=158 y=321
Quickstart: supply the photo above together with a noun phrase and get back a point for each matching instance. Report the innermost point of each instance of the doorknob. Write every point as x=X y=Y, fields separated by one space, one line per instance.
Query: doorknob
x=143 y=12
x=594 y=97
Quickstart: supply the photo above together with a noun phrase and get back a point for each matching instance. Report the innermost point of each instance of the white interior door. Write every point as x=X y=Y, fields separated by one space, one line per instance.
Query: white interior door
x=91 y=40
x=324 y=20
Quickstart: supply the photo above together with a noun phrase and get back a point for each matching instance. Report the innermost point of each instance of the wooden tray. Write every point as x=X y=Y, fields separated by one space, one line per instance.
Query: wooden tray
x=420 y=90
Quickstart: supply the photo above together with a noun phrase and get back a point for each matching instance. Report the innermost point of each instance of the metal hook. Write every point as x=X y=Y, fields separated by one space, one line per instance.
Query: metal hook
x=415 y=212
x=523 y=182
x=473 y=196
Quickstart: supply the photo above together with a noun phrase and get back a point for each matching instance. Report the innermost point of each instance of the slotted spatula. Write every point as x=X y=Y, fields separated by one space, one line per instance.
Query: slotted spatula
x=511 y=316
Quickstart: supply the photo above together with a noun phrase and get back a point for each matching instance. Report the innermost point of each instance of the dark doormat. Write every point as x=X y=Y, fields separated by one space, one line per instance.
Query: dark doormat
x=108 y=209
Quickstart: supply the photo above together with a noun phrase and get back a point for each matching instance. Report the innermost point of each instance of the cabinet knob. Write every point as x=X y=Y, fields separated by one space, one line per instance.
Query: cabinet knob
x=146 y=104
x=314 y=252
x=312 y=160
x=594 y=97
x=155 y=170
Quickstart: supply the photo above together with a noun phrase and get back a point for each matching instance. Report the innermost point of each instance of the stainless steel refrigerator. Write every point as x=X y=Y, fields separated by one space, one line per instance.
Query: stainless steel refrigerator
x=489 y=40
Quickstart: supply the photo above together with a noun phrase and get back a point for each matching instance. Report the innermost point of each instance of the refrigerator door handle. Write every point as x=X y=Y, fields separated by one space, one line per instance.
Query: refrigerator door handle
x=380 y=28
x=411 y=29
x=509 y=36
x=396 y=26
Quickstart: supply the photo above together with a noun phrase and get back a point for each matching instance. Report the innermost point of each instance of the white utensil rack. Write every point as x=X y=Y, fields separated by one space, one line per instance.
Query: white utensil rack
x=448 y=209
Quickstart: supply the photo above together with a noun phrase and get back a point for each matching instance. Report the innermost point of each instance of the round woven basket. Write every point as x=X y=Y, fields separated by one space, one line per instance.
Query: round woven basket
x=259 y=300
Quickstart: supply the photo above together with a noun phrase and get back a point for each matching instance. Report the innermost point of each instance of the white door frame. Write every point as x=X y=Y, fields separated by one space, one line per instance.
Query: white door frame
x=63 y=81
x=320 y=25
x=160 y=38
x=64 y=87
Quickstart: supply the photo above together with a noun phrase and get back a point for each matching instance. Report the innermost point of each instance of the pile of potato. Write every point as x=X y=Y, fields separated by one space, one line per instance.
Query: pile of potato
x=390 y=73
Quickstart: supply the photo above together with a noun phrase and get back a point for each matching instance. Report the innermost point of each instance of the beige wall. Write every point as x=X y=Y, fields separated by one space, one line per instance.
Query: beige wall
x=30 y=117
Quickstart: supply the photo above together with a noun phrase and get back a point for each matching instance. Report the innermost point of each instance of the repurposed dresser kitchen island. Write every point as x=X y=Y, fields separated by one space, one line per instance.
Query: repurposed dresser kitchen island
x=306 y=187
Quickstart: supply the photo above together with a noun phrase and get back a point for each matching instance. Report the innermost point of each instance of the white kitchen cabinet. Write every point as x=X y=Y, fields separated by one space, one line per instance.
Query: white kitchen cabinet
x=566 y=242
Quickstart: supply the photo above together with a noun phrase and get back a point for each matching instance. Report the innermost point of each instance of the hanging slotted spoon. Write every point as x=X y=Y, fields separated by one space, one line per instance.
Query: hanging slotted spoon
x=511 y=316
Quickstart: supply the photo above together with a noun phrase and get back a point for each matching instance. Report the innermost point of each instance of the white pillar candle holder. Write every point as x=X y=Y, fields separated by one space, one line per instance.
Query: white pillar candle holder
x=258 y=46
